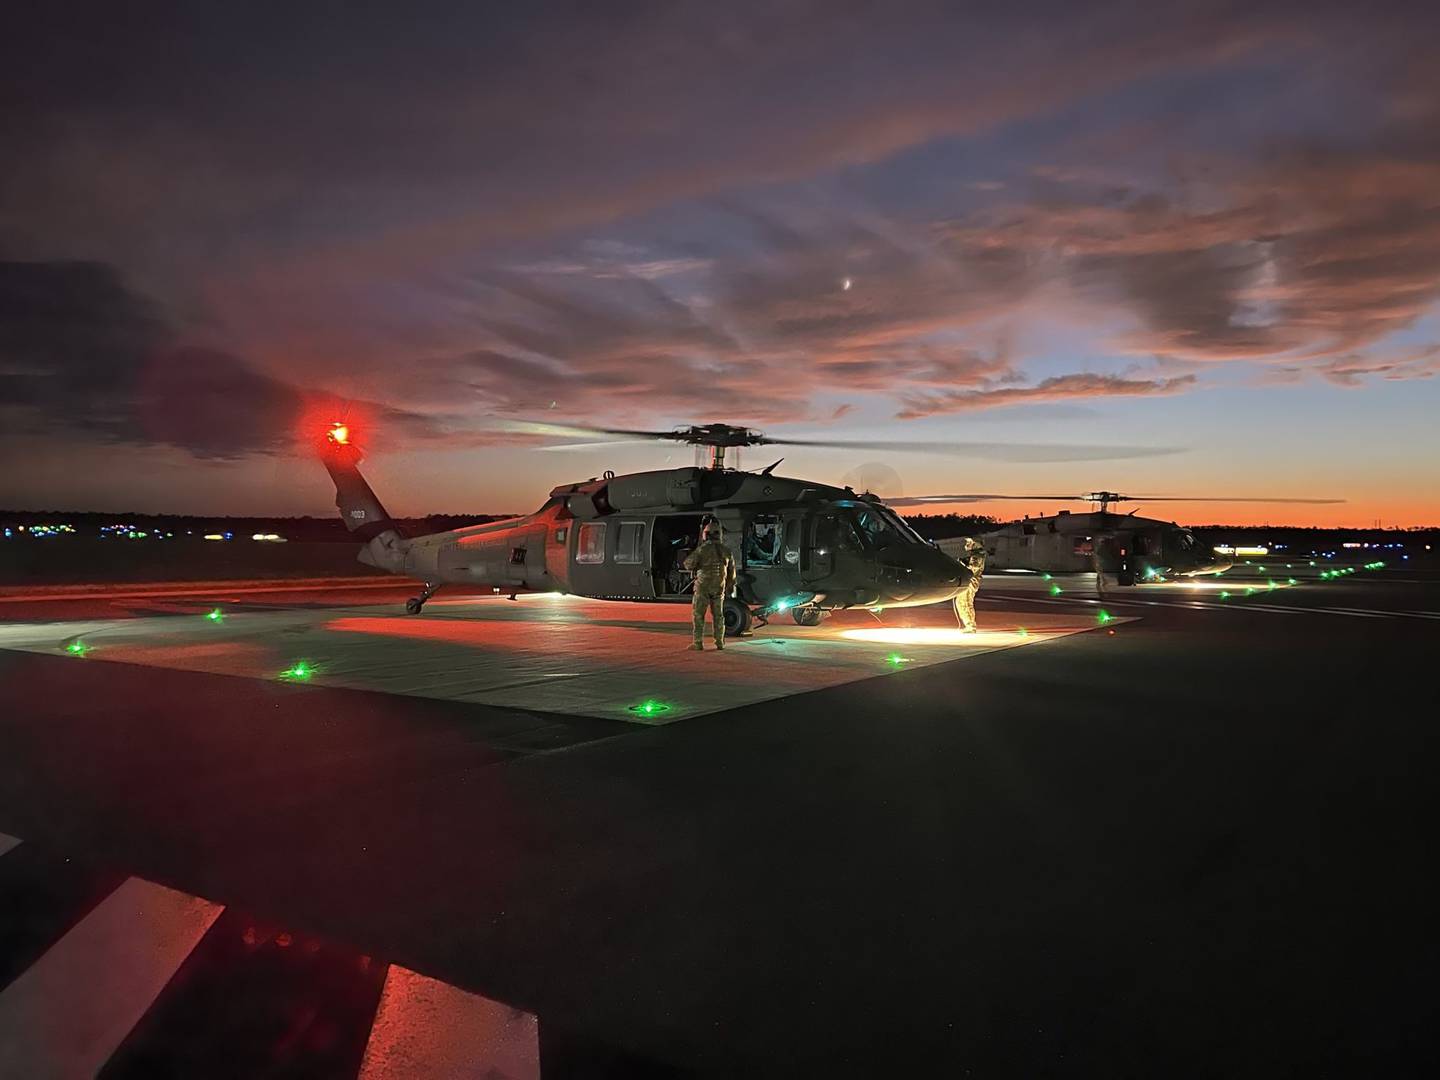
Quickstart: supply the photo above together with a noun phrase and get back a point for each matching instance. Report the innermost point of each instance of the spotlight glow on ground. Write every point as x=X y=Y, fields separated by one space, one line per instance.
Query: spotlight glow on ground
x=929 y=635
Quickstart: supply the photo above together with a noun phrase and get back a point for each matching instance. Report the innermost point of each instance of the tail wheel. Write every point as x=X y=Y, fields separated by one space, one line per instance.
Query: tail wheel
x=413 y=606
x=807 y=616
x=737 y=618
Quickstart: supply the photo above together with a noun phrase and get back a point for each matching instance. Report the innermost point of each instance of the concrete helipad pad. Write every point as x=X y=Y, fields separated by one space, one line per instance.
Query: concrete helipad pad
x=554 y=654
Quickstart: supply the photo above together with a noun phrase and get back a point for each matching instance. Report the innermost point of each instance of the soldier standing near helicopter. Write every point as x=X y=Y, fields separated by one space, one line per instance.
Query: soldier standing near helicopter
x=714 y=569
x=974 y=561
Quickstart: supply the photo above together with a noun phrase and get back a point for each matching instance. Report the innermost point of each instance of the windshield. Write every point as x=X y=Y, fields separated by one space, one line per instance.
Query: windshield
x=880 y=528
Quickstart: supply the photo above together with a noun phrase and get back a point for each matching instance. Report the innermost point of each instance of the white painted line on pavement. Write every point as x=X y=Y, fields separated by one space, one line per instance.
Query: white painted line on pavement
x=424 y=1027
x=67 y=1013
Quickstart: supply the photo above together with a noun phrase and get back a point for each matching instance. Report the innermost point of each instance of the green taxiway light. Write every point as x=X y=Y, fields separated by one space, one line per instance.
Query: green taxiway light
x=1055 y=590
x=1045 y=577
x=1104 y=617
x=215 y=616
x=1261 y=569
x=77 y=648
x=1270 y=584
x=650 y=707
x=895 y=659
x=1291 y=581
x=300 y=671
x=1248 y=590
x=1312 y=562
x=1022 y=632
x=1225 y=595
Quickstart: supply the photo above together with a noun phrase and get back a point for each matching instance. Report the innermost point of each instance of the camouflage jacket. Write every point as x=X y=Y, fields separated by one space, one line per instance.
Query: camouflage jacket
x=713 y=564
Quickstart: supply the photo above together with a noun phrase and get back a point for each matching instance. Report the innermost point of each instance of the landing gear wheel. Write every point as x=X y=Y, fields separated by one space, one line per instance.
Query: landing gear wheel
x=807 y=616
x=415 y=603
x=737 y=618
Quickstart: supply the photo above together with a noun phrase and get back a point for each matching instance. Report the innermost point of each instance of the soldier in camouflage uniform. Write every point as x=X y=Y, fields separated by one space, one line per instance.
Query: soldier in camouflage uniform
x=974 y=561
x=714 y=568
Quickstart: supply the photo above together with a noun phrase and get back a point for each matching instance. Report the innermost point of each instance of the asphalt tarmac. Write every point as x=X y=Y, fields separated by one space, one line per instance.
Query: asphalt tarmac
x=1195 y=845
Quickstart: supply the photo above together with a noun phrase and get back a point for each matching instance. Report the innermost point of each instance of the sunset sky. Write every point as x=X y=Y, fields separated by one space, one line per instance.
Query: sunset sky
x=1205 y=228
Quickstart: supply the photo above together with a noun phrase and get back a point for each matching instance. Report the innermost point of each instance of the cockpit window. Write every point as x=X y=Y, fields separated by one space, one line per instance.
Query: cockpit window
x=874 y=530
x=879 y=527
x=1186 y=541
x=903 y=526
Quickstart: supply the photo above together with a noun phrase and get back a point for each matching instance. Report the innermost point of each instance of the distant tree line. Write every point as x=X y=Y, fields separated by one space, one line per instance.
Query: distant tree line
x=88 y=523
x=944 y=526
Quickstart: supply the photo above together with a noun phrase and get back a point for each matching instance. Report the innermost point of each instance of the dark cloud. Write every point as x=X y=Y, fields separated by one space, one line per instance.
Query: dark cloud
x=344 y=194
x=1312 y=251
x=83 y=355
x=346 y=133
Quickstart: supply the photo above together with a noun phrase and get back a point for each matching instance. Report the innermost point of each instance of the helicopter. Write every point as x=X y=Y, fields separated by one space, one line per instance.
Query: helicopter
x=1132 y=549
x=800 y=546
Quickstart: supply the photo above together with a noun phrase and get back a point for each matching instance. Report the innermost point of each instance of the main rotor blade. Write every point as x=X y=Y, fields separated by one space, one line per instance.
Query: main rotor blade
x=1223 y=498
x=579 y=431
x=994 y=451
x=926 y=500
x=922 y=500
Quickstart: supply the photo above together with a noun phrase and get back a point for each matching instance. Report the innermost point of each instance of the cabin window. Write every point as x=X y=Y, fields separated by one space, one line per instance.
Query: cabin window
x=590 y=543
x=629 y=542
x=1084 y=545
x=762 y=541
x=517 y=556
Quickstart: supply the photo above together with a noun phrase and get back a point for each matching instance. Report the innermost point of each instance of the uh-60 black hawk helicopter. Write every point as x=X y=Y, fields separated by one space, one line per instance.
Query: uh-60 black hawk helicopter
x=1128 y=548
x=799 y=546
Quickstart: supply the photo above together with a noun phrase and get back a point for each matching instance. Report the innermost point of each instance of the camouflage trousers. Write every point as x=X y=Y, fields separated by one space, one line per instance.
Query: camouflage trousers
x=712 y=599
x=965 y=604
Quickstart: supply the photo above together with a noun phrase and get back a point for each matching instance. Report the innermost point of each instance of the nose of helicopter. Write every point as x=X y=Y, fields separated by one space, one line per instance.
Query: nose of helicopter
x=929 y=576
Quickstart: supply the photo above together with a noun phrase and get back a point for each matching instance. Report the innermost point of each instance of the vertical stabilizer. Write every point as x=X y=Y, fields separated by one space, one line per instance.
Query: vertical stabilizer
x=359 y=508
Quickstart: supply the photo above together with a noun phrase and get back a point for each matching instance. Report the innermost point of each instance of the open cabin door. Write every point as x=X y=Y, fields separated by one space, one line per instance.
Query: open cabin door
x=672 y=538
